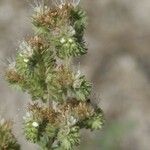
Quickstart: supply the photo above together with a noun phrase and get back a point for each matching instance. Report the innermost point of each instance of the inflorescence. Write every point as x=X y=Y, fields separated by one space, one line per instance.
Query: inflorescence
x=60 y=94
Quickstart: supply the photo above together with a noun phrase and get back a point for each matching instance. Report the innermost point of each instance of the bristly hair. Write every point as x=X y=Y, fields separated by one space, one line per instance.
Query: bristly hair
x=61 y=3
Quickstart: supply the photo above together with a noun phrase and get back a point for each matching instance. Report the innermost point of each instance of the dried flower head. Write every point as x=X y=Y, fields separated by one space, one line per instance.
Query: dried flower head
x=70 y=112
x=37 y=43
x=52 y=18
x=13 y=77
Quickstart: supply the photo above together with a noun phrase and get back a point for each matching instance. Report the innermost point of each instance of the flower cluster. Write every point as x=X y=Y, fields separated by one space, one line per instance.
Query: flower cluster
x=43 y=69
x=7 y=139
x=63 y=84
x=60 y=125
x=64 y=27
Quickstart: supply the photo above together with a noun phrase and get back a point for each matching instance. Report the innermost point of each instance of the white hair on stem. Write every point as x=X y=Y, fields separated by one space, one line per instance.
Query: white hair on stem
x=75 y=2
x=61 y=3
x=8 y=63
x=39 y=6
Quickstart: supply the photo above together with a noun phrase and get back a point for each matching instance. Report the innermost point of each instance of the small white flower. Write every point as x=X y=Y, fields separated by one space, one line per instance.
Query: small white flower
x=21 y=55
x=26 y=60
x=35 y=124
x=62 y=40
x=71 y=121
x=70 y=40
x=66 y=45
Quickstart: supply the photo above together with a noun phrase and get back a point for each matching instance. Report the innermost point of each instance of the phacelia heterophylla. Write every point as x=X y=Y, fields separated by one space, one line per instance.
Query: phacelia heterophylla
x=43 y=68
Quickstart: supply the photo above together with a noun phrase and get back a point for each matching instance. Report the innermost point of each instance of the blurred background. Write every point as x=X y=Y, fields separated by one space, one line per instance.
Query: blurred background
x=117 y=63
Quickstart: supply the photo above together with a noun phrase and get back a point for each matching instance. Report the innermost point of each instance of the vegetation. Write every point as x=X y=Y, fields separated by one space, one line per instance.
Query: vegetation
x=43 y=68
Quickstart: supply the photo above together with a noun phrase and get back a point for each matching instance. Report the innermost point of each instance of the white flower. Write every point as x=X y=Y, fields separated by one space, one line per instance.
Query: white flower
x=62 y=40
x=25 y=60
x=66 y=45
x=35 y=124
x=71 y=121
x=71 y=31
x=70 y=40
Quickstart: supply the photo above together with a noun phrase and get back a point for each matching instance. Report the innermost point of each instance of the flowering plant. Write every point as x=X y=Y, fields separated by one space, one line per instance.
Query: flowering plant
x=7 y=139
x=61 y=106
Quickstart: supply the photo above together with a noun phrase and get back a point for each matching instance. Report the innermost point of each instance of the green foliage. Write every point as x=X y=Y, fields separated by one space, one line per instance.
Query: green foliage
x=31 y=132
x=36 y=60
x=7 y=139
x=78 y=21
x=81 y=87
x=67 y=47
x=58 y=126
x=68 y=137
x=95 y=123
x=47 y=138
x=43 y=69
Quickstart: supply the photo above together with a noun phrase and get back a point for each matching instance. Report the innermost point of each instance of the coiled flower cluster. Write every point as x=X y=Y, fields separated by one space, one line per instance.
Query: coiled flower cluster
x=43 y=68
